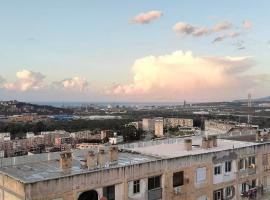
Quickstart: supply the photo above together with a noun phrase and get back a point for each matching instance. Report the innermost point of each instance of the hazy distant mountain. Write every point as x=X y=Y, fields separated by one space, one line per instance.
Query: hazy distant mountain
x=257 y=99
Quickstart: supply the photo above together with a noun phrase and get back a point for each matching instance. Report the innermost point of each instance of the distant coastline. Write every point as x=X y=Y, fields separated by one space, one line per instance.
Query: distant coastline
x=80 y=104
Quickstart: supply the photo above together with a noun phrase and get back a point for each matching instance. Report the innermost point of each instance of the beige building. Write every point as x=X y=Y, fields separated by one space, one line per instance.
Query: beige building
x=174 y=122
x=159 y=125
x=148 y=124
x=169 y=169
x=223 y=127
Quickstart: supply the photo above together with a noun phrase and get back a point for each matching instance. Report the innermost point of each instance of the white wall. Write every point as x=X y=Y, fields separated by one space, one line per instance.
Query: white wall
x=224 y=176
x=143 y=190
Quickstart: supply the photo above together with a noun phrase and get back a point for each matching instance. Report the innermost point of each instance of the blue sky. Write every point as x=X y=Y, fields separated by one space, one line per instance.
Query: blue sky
x=96 y=41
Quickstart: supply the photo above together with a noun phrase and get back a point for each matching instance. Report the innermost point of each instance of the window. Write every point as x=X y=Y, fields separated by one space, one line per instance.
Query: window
x=243 y=187
x=178 y=179
x=218 y=195
x=217 y=170
x=228 y=166
x=153 y=182
x=241 y=164
x=228 y=191
x=109 y=192
x=136 y=186
x=253 y=184
x=251 y=160
x=201 y=175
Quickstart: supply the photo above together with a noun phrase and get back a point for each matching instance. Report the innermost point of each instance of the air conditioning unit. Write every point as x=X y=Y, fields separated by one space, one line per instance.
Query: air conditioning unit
x=177 y=190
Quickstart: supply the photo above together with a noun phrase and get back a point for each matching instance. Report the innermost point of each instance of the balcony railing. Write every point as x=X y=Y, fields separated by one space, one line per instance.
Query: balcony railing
x=155 y=194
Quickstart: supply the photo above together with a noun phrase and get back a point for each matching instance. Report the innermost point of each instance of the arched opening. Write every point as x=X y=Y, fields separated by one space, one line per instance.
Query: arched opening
x=89 y=195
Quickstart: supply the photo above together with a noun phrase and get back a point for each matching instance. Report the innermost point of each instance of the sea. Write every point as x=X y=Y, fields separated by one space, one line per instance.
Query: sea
x=105 y=104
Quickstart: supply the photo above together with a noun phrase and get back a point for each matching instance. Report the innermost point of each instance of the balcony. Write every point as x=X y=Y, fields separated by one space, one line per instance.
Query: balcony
x=246 y=172
x=251 y=171
x=155 y=194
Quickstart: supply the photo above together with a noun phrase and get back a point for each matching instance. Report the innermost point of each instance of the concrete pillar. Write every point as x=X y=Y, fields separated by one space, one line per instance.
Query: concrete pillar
x=258 y=136
x=113 y=154
x=204 y=142
x=207 y=142
x=210 y=142
x=65 y=160
x=101 y=159
x=214 y=138
x=91 y=160
x=188 y=144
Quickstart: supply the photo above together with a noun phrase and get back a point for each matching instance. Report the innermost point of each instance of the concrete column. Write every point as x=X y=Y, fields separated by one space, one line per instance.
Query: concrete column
x=188 y=144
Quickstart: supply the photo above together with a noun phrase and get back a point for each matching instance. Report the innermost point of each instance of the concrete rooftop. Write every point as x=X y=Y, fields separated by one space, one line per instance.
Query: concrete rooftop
x=34 y=168
x=168 y=150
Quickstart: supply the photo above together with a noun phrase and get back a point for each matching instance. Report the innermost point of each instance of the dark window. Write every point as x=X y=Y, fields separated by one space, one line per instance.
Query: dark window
x=251 y=160
x=218 y=194
x=243 y=187
x=241 y=164
x=253 y=184
x=109 y=192
x=153 y=182
x=228 y=191
x=217 y=170
x=136 y=186
x=178 y=179
x=228 y=166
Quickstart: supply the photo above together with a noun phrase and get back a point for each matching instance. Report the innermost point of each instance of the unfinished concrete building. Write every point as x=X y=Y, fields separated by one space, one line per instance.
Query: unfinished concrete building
x=170 y=169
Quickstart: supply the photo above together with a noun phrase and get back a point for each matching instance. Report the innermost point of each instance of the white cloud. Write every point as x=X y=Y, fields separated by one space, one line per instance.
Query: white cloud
x=247 y=24
x=27 y=80
x=182 y=75
x=145 y=18
x=76 y=83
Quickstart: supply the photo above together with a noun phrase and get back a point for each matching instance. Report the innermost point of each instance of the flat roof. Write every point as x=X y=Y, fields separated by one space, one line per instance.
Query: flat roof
x=41 y=167
x=177 y=149
x=46 y=170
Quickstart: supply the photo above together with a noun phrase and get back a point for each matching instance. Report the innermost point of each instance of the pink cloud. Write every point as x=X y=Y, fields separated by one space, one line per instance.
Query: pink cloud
x=181 y=75
x=145 y=18
x=27 y=80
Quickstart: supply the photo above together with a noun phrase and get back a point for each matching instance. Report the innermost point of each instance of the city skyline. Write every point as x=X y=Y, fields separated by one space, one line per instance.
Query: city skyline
x=134 y=51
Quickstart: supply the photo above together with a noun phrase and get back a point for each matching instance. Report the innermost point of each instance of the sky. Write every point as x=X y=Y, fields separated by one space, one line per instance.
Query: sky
x=123 y=50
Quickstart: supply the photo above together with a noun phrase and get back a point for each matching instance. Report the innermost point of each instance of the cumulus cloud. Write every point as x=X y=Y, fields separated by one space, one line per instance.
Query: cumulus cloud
x=75 y=83
x=182 y=75
x=147 y=17
x=197 y=31
x=247 y=24
x=27 y=80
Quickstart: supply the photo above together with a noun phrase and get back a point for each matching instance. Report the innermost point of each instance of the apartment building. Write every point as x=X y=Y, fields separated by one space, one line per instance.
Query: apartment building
x=148 y=124
x=222 y=127
x=170 y=169
x=159 y=125
x=174 y=122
